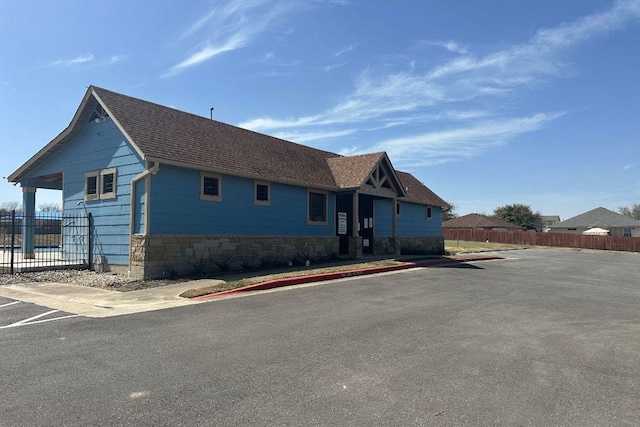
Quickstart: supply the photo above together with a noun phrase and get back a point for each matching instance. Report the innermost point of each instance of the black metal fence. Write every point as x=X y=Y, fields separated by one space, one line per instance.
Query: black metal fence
x=47 y=240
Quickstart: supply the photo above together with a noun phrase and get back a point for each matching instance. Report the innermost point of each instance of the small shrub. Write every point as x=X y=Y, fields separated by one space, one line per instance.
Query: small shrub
x=199 y=265
x=250 y=263
x=269 y=262
x=299 y=259
x=224 y=264
x=170 y=270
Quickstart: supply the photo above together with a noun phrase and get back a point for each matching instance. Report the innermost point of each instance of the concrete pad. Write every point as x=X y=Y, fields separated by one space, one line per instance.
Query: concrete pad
x=95 y=302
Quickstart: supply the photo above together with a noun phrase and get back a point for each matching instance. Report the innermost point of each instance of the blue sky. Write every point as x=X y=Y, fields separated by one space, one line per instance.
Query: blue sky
x=488 y=103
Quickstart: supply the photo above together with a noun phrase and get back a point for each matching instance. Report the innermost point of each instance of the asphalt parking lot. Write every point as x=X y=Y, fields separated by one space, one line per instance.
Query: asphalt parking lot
x=544 y=337
x=14 y=313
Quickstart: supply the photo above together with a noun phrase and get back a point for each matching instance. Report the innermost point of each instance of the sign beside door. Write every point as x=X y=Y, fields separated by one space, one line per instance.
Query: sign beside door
x=342 y=223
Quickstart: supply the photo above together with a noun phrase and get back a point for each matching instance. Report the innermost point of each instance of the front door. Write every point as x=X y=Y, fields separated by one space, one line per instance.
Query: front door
x=365 y=211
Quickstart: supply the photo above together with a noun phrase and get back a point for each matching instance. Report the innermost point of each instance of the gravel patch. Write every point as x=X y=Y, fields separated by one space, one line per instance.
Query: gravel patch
x=84 y=278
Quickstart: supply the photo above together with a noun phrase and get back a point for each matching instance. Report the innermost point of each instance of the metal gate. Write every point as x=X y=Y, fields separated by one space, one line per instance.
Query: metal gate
x=45 y=241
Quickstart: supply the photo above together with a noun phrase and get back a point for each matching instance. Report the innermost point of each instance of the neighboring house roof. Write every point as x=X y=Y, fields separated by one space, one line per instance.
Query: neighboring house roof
x=475 y=220
x=550 y=218
x=598 y=217
x=171 y=136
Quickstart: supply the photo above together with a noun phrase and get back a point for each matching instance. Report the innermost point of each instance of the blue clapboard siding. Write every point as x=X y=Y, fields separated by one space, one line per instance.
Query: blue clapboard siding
x=176 y=208
x=413 y=221
x=382 y=217
x=100 y=146
x=138 y=217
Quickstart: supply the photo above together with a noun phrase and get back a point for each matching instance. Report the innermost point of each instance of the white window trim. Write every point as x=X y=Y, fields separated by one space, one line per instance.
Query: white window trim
x=98 y=175
x=326 y=207
x=208 y=196
x=111 y=194
x=255 y=193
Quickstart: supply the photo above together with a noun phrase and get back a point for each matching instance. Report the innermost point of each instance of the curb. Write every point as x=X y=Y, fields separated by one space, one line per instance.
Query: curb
x=290 y=281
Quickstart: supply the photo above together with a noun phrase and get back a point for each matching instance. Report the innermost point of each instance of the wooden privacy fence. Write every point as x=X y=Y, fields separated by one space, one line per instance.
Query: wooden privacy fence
x=566 y=240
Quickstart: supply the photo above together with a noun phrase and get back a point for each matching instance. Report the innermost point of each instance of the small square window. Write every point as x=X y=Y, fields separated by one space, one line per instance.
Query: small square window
x=262 y=193
x=428 y=212
x=317 y=207
x=210 y=187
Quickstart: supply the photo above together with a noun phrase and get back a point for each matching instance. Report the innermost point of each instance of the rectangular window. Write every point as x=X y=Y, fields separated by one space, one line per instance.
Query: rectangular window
x=398 y=209
x=108 y=183
x=91 y=186
x=261 y=193
x=317 y=207
x=428 y=212
x=100 y=185
x=210 y=186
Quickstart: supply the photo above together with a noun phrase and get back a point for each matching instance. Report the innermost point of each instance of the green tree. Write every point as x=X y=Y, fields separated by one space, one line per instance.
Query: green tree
x=632 y=211
x=450 y=213
x=521 y=215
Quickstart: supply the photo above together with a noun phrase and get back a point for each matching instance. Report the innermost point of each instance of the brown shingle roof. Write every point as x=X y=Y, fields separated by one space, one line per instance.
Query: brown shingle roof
x=168 y=135
x=474 y=220
x=418 y=192
x=353 y=171
x=164 y=133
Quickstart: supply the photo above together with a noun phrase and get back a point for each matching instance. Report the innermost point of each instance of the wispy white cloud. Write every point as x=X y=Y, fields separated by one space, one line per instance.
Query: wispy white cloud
x=407 y=98
x=333 y=67
x=304 y=137
x=87 y=60
x=117 y=58
x=451 y=46
x=434 y=147
x=627 y=167
x=228 y=27
x=334 y=2
x=82 y=59
x=345 y=49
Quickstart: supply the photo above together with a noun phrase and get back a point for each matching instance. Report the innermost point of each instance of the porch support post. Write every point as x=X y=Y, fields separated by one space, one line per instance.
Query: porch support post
x=28 y=222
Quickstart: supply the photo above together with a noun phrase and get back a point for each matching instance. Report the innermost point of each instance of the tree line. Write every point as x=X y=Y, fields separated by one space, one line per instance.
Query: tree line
x=524 y=216
x=7 y=207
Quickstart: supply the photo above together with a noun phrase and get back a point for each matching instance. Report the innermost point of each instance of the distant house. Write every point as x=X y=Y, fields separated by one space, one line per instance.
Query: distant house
x=548 y=221
x=167 y=188
x=617 y=224
x=481 y=222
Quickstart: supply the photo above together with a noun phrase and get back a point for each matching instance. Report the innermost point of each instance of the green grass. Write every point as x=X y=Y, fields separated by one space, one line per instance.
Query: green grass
x=234 y=284
x=455 y=247
x=451 y=246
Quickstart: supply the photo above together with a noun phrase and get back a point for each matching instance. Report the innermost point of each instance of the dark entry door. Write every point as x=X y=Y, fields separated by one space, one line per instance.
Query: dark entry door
x=365 y=210
x=344 y=214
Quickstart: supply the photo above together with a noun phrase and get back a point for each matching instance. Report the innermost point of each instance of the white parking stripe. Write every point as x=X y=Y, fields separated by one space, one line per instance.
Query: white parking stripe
x=23 y=323
x=8 y=304
x=35 y=317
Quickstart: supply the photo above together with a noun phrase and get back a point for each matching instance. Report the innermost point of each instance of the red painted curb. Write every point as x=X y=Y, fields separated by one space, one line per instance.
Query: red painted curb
x=278 y=283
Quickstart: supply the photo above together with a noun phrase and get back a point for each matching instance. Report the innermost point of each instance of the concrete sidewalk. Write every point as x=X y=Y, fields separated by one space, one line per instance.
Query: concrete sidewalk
x=95 y=302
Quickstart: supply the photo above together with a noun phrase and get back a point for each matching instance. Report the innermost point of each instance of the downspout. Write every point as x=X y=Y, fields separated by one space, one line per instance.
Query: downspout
x=132 y=204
